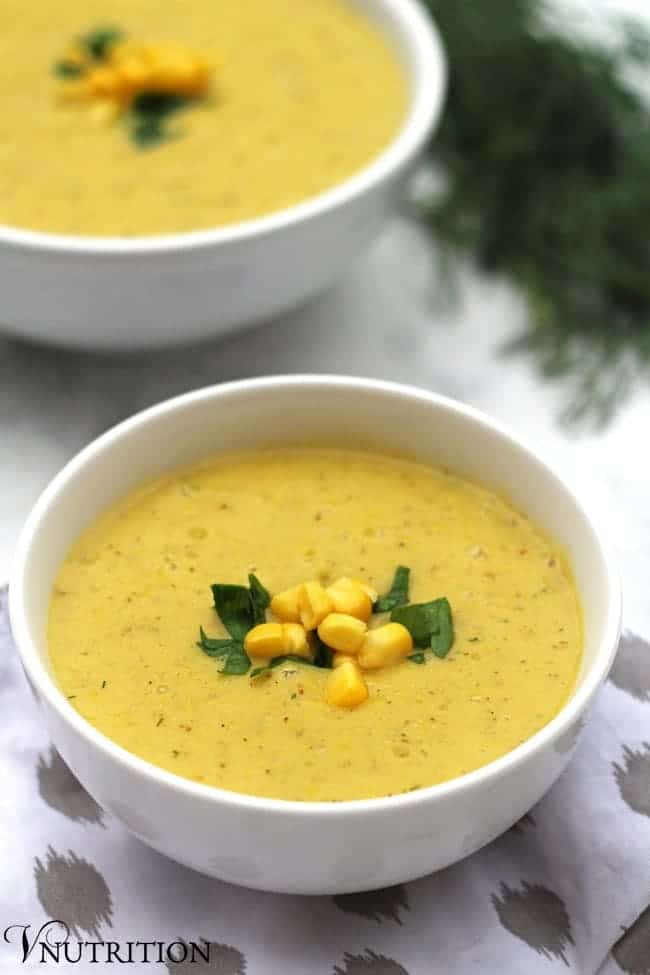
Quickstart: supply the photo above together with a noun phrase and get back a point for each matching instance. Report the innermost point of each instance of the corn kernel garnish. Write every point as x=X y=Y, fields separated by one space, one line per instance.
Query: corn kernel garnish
x=314 y=604
x=340 y=658
x=346 y=687
x=295 y=640
x=327 y=628
x=385 y=646
x=144 y=82
x=342 y=632
x=284 y=605
x=265 y=640
x=349 y=596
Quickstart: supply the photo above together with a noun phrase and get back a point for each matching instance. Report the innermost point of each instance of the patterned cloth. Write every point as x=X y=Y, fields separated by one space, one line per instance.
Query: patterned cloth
x=554 y=894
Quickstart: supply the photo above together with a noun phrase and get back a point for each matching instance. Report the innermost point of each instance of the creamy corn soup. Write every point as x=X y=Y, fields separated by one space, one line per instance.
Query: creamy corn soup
x=135 y=589
x=295 y=96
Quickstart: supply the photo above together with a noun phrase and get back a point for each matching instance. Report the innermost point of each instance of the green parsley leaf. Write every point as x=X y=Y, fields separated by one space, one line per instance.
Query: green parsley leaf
x=158 y=104
x=239 y=609
x=235 y=609
x=237 y=662
x=443 y=638
x=430 y=624
x=67 y=69
x=98 y=42
x=418 y=657
x=147 y=133
x=212 y=647
x=398 y=594
x=260 y=598
x=149 y=115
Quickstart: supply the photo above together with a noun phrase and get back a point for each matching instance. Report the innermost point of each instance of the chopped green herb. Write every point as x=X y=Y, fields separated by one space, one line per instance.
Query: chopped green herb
x=260 y=598
x=239 y=609
x=150 y=104
x=103 y=684
x=214 y=648
x=443 y=638
x=237 y=661
x=99 y=42
x=418 y=657
x=234 y=607
x=149 y=114
x=398 y=594
x=159 y=722
x=430 y=624
x=146 y=134
x=420 y=619
x=67 y=69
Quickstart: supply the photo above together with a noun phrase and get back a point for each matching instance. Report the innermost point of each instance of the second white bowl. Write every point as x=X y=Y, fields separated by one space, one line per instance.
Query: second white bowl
x=116 y=292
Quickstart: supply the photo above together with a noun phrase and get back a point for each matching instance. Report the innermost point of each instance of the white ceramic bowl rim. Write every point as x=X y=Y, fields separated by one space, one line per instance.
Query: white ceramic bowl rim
x=428 y=74
x=45 y=685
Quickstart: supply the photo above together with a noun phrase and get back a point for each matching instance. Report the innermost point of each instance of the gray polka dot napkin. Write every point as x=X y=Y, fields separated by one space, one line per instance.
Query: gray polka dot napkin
x=566 y=889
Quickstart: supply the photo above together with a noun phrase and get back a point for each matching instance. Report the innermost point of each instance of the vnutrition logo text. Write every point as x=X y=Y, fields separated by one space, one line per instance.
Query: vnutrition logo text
x=52 y=944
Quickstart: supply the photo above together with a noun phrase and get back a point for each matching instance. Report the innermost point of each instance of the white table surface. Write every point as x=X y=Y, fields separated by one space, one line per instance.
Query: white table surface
x=386 y=320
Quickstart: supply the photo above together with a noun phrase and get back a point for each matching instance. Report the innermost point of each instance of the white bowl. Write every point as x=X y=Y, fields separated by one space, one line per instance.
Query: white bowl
x=135 y=292
x=308 y=847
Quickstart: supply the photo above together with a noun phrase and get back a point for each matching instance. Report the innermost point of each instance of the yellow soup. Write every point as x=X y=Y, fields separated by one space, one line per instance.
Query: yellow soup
x=134 y=589
x=302 y=94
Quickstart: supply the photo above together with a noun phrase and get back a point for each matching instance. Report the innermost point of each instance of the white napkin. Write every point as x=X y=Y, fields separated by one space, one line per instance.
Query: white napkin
x=554 y=894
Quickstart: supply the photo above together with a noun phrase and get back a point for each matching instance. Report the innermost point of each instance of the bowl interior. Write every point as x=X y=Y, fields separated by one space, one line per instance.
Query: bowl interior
x=307 y=410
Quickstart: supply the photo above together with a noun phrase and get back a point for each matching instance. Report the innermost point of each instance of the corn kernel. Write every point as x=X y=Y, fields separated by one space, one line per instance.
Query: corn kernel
x=265 y=640
x=134 y=73
x=284 y=605
x=346 y=687
x=150 y=52
x=181 y=66
x=342 y=632
x=313 y=604
x=174 y=69
x=104 y=81
x=386 y=645
x=295 y=639
x=348 y=597
x=369 y=590
x=342 y=658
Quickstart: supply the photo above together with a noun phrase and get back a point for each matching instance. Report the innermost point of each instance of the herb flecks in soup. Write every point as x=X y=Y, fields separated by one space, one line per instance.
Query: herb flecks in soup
x=329 y=627
x=280 y=102
x=145 y=84
x=131 y=595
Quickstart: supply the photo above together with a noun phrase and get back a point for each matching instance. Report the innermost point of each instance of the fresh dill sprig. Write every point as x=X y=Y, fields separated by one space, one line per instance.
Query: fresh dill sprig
x=546 y=149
